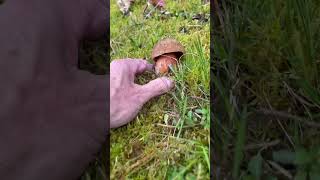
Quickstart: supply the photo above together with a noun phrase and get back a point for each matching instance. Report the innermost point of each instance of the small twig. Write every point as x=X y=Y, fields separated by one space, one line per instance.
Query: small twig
x=192 y=107
x=262 y=145
x=218 y=12
x=170 y=126
x=195 y=97
x=153 y=9
x=193 y=25
x=140 y=162
x=144 y=10
x=280 y=169
x=300 y=99
x=281 y=126
x=288 y=116
x=174 y=137
x=197 y=115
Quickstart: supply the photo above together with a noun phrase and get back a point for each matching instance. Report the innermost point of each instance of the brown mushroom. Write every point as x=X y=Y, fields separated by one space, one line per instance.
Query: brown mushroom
x=165 y=53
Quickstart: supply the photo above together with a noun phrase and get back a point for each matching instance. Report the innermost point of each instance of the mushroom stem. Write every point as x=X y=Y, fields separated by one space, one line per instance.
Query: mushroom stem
x=164 y=61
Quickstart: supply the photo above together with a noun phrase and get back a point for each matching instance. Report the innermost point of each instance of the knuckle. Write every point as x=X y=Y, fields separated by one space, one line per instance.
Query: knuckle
x=139 y=94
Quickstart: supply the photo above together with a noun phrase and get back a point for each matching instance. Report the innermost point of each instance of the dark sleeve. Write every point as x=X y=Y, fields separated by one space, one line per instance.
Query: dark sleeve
x=53 y=116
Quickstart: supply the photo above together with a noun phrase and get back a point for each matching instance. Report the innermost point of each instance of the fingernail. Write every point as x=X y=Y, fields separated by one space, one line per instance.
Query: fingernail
x=169 y=83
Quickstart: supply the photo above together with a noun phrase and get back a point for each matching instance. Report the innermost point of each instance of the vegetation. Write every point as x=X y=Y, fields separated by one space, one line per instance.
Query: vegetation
x=169 y=139
x=266 y=89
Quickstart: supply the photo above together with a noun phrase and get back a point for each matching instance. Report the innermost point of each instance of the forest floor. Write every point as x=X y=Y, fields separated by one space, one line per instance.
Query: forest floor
x=169 y=139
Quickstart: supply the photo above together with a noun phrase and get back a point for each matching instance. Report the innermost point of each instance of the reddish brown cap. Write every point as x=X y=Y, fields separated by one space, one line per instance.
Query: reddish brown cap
x=167 y=45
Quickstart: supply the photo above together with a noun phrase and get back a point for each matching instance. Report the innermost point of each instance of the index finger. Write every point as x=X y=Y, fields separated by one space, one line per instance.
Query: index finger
x=139 y=66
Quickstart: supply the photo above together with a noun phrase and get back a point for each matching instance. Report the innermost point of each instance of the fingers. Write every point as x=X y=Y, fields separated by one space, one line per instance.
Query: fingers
x=137 y=66
x=140 y=66
x=155 y=88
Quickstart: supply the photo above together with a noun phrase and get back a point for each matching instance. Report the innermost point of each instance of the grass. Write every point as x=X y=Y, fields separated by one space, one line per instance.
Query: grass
x=169 y=139
x=267 y=90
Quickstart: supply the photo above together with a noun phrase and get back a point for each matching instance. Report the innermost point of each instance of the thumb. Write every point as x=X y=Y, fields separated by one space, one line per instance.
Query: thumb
x=155 y=88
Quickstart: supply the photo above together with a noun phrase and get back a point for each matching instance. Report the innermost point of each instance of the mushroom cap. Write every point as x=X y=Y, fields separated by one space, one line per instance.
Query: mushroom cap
x=167 y=45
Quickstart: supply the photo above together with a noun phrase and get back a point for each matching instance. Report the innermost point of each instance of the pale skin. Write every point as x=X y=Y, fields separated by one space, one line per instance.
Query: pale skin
x=126 y=97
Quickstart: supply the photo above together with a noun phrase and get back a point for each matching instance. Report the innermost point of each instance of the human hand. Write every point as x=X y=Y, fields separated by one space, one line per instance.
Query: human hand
x=126 y=97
